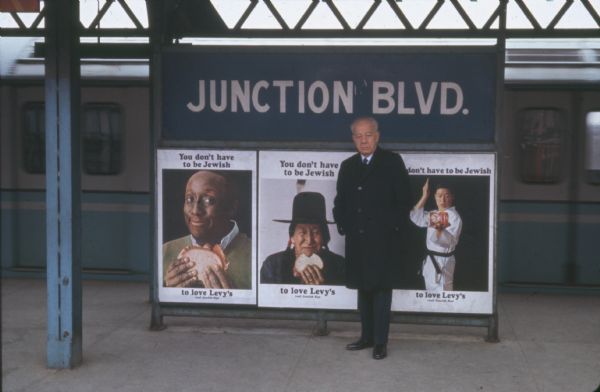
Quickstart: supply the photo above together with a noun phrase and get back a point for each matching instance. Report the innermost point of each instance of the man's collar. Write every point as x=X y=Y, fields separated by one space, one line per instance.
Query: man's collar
x=228 y=239
x=225 y=241
x=368 y=158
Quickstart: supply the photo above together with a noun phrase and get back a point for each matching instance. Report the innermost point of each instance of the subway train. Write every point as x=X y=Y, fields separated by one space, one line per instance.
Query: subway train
x=548 y=154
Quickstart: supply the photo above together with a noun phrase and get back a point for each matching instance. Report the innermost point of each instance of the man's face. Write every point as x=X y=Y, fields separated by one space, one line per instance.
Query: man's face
x=365 y=137
x=444 y=199
x=206 y=209
x=307 y=239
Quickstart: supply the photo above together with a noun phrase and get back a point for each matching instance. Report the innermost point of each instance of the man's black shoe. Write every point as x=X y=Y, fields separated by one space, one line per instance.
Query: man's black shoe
x=380 y=351
x=359 y=345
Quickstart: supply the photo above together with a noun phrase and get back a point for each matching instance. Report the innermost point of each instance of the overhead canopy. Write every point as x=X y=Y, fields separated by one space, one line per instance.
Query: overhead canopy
x=550 y=40
x=325 y=19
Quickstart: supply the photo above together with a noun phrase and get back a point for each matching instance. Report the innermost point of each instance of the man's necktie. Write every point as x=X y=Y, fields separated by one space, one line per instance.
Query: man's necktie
x=365 y=161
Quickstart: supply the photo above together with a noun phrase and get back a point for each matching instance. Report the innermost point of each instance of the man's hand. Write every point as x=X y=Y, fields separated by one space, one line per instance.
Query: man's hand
x=425 y=189
x=181 y=273
x=424 y=195
x=198 y=264
x=213 y=277
x=310 y=275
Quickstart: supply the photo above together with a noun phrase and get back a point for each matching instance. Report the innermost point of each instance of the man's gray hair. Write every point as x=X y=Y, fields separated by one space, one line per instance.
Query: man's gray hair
x=368 y=119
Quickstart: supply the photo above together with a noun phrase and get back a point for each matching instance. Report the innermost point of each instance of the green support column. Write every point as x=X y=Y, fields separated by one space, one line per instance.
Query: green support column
x=63 y=184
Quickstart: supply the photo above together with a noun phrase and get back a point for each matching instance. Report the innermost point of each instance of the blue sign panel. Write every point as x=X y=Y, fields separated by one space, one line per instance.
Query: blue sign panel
x=250 y=96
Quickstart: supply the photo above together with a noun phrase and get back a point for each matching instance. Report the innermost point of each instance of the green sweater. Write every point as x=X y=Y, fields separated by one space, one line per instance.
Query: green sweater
x=238 y=253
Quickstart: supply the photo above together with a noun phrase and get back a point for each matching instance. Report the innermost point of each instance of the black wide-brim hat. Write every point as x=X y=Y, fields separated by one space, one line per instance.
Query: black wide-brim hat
x=308 y=207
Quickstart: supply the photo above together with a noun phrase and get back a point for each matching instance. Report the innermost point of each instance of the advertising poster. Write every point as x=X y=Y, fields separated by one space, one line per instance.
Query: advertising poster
x=300 y=253
x=206 y=226
x=455 y=245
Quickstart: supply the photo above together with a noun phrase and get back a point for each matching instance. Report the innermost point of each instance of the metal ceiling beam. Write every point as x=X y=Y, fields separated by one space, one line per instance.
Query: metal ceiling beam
x=102 y=50
x=82 y=32
x=200 y=19
x=324 y=34
x=219 y=30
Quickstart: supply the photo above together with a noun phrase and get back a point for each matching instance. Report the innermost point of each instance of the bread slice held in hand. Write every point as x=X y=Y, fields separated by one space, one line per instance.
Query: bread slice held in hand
x=205 y=257
x=304 y=261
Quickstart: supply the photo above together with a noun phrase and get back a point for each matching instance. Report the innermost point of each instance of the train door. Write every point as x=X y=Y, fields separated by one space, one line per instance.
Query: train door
x=587 y=193
x=547 y=205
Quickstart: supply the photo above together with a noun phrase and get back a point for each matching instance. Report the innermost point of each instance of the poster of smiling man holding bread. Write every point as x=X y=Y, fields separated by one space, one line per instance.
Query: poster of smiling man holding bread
x=206 y=205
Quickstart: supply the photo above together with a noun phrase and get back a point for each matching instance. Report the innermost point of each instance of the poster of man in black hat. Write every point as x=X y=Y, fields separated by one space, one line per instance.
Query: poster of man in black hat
x=306 y=259
x=301 y=262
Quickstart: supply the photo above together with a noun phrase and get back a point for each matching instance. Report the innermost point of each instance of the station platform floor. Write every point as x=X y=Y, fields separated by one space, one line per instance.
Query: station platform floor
x=548 y=343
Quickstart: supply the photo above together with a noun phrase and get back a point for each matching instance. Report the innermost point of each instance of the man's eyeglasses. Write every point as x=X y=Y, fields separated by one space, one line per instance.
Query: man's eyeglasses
x=205 y=200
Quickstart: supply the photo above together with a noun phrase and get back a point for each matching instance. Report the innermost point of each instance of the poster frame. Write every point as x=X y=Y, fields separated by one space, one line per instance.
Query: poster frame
x=321 y=316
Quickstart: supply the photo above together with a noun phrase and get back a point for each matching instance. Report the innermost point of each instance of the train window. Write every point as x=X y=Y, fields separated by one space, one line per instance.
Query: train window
x=102 y=139
x=592 y=147
x=542 y=131
x=34 y=138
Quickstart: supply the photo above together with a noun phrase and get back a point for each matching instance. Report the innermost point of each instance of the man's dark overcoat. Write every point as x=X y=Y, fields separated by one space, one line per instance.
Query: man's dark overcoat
x=372 y=208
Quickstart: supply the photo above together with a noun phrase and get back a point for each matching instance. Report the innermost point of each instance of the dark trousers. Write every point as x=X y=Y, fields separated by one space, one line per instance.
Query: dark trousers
x=375 y=308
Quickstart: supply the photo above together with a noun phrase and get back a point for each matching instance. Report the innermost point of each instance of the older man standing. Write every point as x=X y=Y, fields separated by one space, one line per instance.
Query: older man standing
x=371 y=209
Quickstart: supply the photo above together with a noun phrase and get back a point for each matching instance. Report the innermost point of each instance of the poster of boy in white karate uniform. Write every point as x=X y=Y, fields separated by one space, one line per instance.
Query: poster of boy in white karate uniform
x=443 y=233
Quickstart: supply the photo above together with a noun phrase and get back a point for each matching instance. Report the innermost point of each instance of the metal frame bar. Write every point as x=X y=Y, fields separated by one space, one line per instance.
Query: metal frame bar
x=592 y=11
x=18 y=20
x=322 y=316
x=276 y=14
x=431 y=15
x=39 y=18
x=308 y=34
x=307 y=14
x=174 y=310
x=463 y=14
x=368 y=14
x=82 y=32
x=337 y=14
x=493 y=17
x=246 y=14
x=96 y=21
x=400 y=15
x=156 y=20
x=560 y=14
x=411 y=31
x=492 y=332
x=63 y=187
x=529 y=15
x=131 y=14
